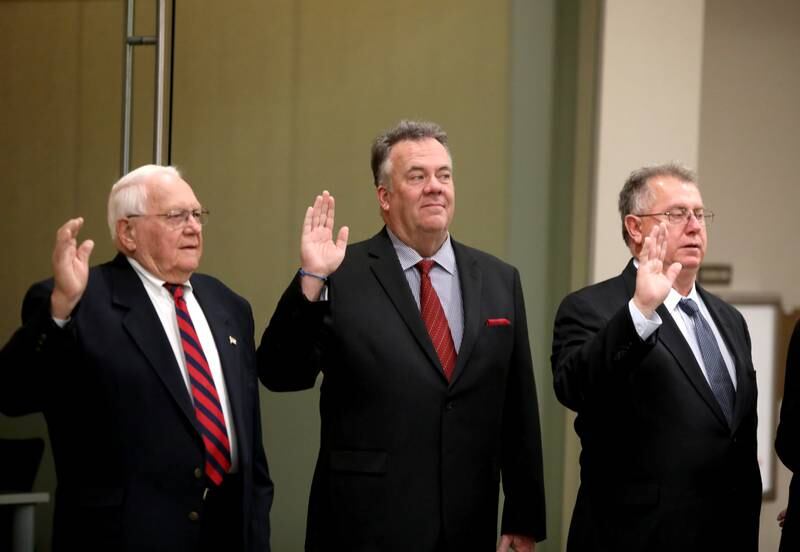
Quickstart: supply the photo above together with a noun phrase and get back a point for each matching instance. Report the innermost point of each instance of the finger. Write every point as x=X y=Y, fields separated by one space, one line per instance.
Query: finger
x=69 y=230
x=673 y=271
x=85 y=250
x=307 y=220
x=505 y=540
x=331 y=210
x=341 y=239
x=645 y=252
x=662 y=233
x=316 y=213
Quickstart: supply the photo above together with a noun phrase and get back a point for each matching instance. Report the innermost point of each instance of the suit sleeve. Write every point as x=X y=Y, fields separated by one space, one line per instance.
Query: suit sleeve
x=521 y=461
x=787 y=442
x=590 y=349
x=290 y=353
x=26 y=361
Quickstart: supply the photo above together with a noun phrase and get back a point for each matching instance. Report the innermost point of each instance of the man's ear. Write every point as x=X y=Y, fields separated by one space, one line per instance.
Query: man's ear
x=126 y=235
x=633 y=225
x=383 y=197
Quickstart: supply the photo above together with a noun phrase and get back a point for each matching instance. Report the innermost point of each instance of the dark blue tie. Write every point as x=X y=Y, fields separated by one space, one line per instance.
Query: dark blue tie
x=718 y=376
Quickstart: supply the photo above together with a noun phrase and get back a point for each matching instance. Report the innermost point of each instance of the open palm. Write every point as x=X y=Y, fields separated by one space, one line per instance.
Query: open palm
x=319 y=254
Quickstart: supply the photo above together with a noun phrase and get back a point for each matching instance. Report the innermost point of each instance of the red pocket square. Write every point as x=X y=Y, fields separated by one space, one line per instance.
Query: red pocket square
x=491 y=322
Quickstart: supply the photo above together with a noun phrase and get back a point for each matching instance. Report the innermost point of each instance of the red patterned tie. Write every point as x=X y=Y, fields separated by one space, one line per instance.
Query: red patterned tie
x=435 y=320
x=204 y=394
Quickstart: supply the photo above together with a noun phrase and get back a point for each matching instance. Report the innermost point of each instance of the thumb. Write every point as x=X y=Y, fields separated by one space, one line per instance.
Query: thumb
x=673 y=271
x=505 y=541
x=341 y=239
x=85 y=250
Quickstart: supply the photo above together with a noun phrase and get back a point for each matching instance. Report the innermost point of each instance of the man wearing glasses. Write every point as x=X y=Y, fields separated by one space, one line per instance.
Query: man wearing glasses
x=145 y=372
x=660 y=375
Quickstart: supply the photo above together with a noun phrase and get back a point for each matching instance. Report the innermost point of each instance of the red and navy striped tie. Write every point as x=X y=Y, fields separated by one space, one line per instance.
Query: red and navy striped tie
x=207 y=407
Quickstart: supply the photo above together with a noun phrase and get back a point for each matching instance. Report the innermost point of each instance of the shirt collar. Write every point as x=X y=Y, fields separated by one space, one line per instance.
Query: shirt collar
x=445 y=257
x=151 y=279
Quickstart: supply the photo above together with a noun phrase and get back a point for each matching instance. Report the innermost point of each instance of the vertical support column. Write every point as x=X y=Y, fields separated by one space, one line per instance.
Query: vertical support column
x=131 y=41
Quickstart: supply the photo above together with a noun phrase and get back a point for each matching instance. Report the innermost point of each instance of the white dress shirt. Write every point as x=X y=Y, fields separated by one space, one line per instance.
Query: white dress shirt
x=164 y=305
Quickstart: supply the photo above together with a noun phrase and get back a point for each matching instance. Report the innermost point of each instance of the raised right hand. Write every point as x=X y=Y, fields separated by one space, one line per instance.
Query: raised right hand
x=70 y=269
x=653 y=282
x=319 y=254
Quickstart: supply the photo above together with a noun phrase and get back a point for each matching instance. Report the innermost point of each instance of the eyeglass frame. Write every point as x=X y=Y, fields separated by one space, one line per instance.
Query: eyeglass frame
x=705 y=218
x=181 y=215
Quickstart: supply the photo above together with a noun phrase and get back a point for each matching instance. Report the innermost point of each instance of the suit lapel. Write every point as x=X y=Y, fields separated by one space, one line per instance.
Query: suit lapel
x=221 y=328
x=386 y=268
x=733 y=338
x=671 y=337
x=143 y=325
x=471 y=280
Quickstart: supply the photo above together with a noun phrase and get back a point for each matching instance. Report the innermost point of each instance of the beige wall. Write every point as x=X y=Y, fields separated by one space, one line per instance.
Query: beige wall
x=649 y=102
x=749 y=143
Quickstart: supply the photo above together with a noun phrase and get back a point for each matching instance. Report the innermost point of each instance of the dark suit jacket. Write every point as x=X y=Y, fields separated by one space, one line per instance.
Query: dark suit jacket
x=787 y=442
x=660 y=467
x=120 y=418
x=407 y=461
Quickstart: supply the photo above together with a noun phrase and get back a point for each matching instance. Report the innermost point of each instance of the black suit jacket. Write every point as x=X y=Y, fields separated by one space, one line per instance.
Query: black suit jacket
x=406 y=461
x=661 y=469
x=787 y=442
x=120 y=419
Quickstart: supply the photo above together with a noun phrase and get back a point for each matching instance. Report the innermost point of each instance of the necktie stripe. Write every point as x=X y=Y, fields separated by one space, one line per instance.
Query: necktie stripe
x=213 y=429
x=207 y=407
x=191 y=337
x=216 y=454
x=203 y=384
x=208 y=404
x=197 y=358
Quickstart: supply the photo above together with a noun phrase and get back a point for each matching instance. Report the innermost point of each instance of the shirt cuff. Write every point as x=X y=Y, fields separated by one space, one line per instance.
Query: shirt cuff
x=645 y=327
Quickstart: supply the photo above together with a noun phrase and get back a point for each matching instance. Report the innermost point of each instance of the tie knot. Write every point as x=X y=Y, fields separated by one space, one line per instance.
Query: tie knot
x=175 y=289
x=425 y=265
x=689 y=306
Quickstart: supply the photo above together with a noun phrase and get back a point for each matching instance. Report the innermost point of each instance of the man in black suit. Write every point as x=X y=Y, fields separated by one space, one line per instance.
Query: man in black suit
x=787 y=443
x=660 y=374
x=428 y=395
x=146 y=375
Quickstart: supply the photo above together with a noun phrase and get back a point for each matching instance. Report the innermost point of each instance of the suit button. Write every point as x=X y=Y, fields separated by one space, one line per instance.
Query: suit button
x=198 y=473
x=194 y=516
x=450 y=405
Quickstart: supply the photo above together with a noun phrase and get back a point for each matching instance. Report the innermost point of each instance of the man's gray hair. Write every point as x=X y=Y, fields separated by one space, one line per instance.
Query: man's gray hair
x=636 y=196
x=404 y=130
x=129 y=194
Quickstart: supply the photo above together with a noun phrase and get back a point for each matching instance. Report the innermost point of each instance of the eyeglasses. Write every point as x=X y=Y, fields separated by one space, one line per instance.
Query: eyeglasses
x=682 y=215
x=178 y=218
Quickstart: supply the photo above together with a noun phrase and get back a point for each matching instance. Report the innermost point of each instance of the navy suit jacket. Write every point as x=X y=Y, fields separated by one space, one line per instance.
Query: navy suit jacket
x=127 y=450
x=787 y=442
x=408 y=461
x=661 y=469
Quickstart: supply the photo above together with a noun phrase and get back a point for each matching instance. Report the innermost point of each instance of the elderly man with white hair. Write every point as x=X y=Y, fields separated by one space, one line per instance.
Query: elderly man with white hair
x=146 y=374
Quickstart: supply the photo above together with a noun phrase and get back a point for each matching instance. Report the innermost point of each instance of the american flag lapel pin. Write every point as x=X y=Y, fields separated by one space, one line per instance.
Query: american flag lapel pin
x=232 y=340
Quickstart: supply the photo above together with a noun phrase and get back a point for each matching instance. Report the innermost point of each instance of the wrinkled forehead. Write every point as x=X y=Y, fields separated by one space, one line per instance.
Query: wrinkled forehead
x=669 y=191
x=166 y=192
x=427 y=152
